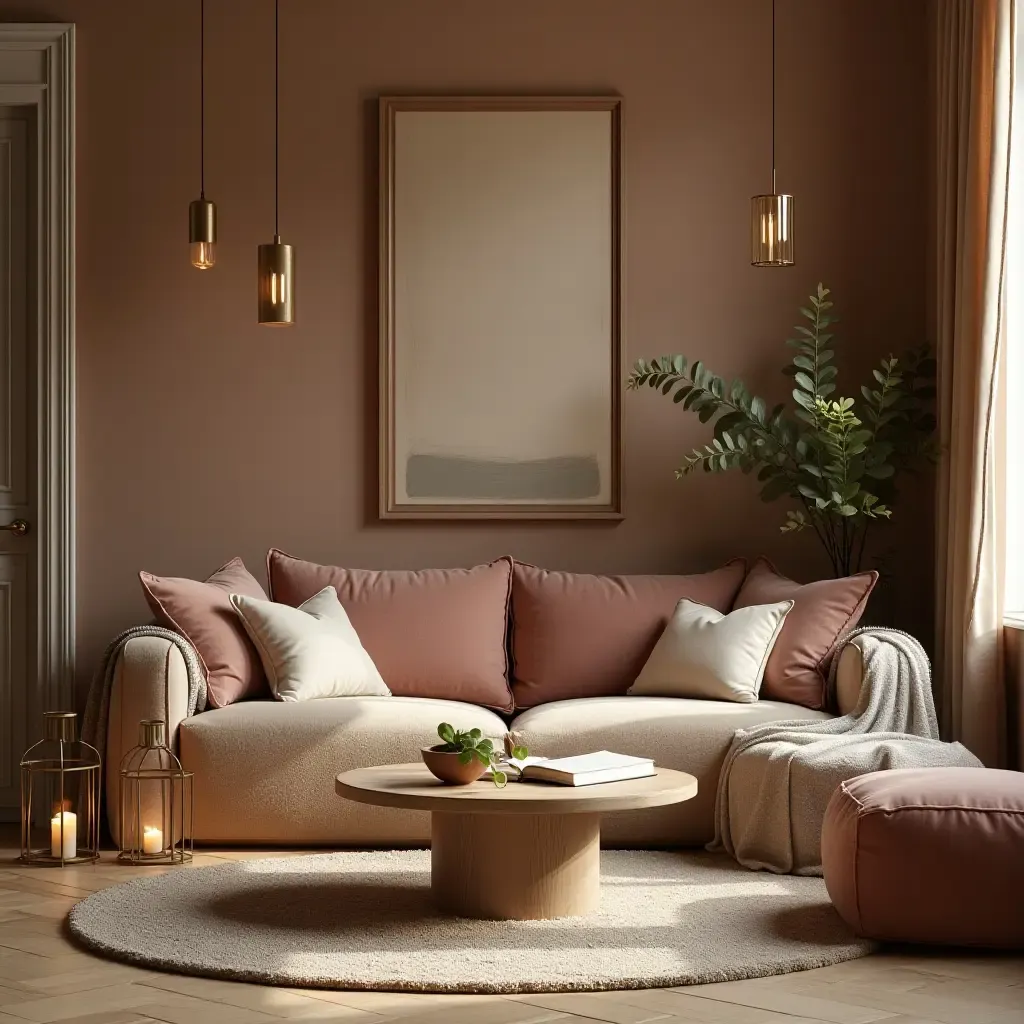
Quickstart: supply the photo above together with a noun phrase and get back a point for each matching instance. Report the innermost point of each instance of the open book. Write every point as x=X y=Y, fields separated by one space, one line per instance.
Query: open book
x=584 y=769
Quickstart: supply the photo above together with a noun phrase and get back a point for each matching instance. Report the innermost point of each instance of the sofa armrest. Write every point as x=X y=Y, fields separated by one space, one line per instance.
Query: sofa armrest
x=849 y=678
x=150 y=681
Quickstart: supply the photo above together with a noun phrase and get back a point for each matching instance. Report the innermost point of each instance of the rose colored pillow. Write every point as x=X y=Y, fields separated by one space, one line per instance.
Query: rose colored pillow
x=822 y=612
x=431 y=633
x=202 y=614
x=575 y=635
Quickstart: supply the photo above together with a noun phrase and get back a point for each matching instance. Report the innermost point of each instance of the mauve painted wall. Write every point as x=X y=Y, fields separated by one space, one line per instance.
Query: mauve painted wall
x=202 y=436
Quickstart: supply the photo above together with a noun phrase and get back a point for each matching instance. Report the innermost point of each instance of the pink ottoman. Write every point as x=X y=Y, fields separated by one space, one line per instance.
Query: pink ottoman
x=929 y=855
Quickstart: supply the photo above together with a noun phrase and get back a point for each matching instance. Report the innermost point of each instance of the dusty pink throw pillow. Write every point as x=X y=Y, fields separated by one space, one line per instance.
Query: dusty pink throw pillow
x=576 y=635
x=431 y=632
x=822 y=612
x=202 y=614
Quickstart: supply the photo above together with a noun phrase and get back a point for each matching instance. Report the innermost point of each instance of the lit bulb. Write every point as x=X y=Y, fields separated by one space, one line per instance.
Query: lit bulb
x=202 y=233
x=203 y=254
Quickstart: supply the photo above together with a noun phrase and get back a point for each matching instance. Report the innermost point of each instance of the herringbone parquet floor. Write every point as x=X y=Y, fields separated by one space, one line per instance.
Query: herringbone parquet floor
x=44 y=978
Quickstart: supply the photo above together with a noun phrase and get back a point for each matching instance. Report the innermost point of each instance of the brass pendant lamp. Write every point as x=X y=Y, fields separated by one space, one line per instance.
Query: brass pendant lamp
x=202 y=213
x=771 y=216
x=276 y=261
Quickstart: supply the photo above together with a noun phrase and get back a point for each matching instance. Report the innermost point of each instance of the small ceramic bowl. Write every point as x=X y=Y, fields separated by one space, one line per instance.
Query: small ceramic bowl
x=447 y=767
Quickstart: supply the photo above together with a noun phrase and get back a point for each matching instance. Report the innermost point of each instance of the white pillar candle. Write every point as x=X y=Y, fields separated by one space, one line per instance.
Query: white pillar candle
x=152 y=839
x=70 y=835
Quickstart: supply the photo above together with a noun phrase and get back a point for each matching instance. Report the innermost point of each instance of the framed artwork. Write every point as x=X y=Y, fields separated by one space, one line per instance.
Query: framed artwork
x=500 y=307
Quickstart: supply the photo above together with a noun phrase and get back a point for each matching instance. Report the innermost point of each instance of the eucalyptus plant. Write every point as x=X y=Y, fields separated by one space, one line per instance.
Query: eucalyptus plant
x=836 y=459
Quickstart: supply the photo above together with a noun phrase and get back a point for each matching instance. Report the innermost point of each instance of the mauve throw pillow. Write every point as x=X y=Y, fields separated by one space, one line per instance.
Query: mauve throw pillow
x=202 y=614
x=431 y=632
x=822 y=612
x=575 y=635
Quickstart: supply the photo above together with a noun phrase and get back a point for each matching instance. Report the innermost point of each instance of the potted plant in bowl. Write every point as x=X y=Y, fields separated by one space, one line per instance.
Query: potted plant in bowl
x=462 y=757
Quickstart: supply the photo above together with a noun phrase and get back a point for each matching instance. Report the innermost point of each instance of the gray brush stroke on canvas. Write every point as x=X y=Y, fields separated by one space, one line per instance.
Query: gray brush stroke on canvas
x=564 y=478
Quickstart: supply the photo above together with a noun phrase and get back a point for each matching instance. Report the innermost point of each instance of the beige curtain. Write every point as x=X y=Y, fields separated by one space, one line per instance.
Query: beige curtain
x=973 y=94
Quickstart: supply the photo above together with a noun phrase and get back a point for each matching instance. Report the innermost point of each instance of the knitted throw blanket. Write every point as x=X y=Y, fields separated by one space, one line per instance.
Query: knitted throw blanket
x=777 y=778
x=97 y=706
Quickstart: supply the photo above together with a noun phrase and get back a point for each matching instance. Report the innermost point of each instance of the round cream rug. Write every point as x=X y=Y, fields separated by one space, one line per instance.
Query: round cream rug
x=366 y=921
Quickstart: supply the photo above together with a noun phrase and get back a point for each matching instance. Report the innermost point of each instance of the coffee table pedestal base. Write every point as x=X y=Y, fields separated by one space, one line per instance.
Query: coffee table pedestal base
x=518 y=867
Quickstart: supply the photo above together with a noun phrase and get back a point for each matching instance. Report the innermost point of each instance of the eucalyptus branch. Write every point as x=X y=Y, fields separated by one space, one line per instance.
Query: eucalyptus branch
x=837 y=459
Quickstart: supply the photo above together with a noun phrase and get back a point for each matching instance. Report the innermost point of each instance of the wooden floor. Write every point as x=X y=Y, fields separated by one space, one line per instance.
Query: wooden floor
x=43 y=977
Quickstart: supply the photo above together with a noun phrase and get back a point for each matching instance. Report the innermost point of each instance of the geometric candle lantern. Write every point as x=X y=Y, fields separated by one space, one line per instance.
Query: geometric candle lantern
x=60 y=796
x=156 y=801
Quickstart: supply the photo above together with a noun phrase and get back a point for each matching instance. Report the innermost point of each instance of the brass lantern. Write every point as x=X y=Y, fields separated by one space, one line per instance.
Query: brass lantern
x=60 y=796
x=155 y=800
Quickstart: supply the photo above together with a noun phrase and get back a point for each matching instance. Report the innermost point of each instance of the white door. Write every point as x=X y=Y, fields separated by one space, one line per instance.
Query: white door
x=18 y=560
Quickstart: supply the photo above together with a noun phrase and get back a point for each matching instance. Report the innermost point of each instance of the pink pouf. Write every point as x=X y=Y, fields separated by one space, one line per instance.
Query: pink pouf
x=931 y=855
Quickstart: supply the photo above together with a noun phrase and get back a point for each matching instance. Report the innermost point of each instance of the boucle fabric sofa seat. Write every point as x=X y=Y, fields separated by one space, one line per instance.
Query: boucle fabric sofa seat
x=931 y=855
x=688 y=735
x=264 y=770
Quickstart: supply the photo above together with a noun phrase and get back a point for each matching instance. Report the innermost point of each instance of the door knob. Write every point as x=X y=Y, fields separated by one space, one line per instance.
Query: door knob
x=19 y=527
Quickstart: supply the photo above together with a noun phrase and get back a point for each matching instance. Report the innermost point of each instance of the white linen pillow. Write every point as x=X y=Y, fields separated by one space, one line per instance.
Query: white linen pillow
x=703 y=653
x=309 y=651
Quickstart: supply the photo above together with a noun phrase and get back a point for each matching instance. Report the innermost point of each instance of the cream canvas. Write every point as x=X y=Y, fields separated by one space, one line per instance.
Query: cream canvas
x=703 y=653
x=502 y=311
x=310 y=651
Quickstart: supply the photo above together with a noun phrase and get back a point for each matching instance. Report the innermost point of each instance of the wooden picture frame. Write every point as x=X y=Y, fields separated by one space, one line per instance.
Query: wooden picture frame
x=500 y=313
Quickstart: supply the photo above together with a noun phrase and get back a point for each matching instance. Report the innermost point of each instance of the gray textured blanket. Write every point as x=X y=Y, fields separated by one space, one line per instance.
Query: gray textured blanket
x=777 y=778
x=97 y=706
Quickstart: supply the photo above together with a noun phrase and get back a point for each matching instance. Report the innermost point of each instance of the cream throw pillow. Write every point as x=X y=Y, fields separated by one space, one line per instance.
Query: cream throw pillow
x=309 y=651
x=703 y=653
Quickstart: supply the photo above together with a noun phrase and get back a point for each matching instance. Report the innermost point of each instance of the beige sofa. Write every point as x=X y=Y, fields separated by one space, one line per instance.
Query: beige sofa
x=264 y=771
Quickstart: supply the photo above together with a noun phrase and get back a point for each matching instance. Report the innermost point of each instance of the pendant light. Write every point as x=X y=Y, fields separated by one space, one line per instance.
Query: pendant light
x=771 y=216
x=202 y=213
x=276 y=261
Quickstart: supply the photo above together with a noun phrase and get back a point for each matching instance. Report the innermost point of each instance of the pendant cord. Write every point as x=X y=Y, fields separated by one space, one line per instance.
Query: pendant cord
x=773 y=97
x=276 y=6
x=202 y=99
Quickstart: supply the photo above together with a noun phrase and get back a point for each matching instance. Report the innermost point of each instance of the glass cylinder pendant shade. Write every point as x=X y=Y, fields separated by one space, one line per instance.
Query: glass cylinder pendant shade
x=771 y=231
x=276 y=284
x=202 y=233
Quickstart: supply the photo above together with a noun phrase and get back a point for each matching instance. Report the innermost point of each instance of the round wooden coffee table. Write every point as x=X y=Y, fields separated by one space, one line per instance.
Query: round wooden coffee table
x=528 y=851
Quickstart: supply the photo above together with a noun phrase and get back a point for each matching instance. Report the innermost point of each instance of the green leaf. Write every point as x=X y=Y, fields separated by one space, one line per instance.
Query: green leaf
x=499 y=778
x=801 y=398
x=758 y=410
x=682 y=393
x=846 y=510
x=804 y=362
x=520 y=753
x=805 y=382
x=446 y=732
x=466 y=756
x=474 y=734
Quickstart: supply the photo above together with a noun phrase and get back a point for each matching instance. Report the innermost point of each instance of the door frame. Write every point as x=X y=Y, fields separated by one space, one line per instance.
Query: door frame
x=39 y=72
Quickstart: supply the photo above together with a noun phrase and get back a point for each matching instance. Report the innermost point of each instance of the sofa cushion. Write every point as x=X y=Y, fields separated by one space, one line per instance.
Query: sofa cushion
x=431 y=633
x=822 y=613
x=689 y=735
x=706 y=654
x=202 y=613
x=929 y=855
x=265 y=770
x=310 y=651
x=575 y=635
